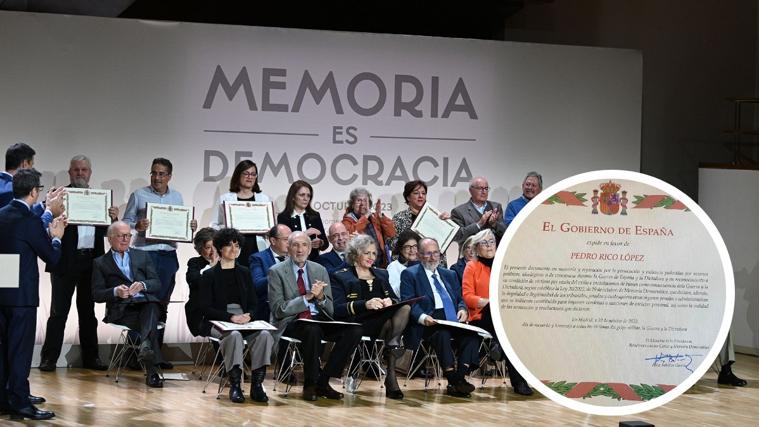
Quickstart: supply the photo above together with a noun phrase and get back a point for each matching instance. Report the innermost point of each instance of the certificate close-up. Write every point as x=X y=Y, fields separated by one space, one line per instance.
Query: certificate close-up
x=612 y=292
x=87 y=206
x=169 y=222
x=249 y=217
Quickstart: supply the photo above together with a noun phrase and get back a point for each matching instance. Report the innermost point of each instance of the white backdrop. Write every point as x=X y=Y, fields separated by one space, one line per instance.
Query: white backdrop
x=442 y=110
x=729 y=197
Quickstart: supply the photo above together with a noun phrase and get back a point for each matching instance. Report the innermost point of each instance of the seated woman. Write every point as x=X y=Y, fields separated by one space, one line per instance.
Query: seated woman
x=203 y=243
x=407 y=252
x=362 y=289
x=359 y=218
x=466 y=254
x=227 y=294
x=476 y=292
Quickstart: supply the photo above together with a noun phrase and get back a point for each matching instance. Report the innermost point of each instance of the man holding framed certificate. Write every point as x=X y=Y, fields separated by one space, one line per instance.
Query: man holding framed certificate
x=82 y=243
x=163 y=251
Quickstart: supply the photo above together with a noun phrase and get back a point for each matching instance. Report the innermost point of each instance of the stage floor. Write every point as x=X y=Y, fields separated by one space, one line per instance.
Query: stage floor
x=81 y=397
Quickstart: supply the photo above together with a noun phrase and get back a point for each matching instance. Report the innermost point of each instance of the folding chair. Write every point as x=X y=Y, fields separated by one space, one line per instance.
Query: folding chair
x=500 y=365
x=127 y=346
x=215 y=371
x=428 y=358
x=289 y=361
x=368 y=358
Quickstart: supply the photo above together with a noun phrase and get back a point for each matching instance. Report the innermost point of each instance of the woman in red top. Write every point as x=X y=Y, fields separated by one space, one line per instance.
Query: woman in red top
x=476 y=292
x=359 y=219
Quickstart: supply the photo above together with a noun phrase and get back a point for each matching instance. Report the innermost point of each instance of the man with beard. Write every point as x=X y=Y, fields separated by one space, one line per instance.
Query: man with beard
x=531 y=187
x=80 y=245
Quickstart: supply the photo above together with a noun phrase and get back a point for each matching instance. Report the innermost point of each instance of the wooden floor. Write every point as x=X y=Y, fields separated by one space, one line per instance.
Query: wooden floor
x=83 y=397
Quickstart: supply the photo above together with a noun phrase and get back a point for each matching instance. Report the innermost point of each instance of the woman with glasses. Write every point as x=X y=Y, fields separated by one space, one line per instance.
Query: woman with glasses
x=243 y=187
x=476 y=292
x=360 y=219
x=406 y=251
x=360 y=292
x=300 y=216
x=227 y=294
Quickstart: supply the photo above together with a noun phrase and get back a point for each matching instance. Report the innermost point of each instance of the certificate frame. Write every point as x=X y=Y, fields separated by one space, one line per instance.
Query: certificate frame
x=429 y=225
x=98 y=196
x=230 y=216
x=182 y=213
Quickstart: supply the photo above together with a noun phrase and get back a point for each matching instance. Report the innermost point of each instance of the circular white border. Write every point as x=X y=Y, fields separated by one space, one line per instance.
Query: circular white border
x=495 y=281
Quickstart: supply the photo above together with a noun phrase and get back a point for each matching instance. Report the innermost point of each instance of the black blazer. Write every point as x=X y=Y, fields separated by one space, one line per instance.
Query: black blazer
x=106 y=275
x=192 y=312
x=213 y=296
x=350 y=294
x=21 y=232
x=331 y=261
x=312 y=221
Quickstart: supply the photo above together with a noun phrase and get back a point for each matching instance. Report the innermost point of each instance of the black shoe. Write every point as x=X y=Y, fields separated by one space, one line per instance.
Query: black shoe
x=36 y=400
x=154 y=380
x=451 y=390
x=394 y=394
x=258 y=394
x=309 y=393
x=47 y=366
x=32 y=413
x=463 y=386
x=328 y=392
x=235 y=392
x=166 y=365
x=727 y=377
x=95 y=364
x=523 y=389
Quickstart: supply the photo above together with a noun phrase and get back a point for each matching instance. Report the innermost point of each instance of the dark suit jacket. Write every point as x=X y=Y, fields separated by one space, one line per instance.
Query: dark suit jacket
x=351 y=294
x=466 y=216
x=312 y=221
x=331 y=261
x=68 y=249
x=414 y=283
x=106 y=275
x=22 y=233
x=213 y=295
x=191 y=308
x=260 y=263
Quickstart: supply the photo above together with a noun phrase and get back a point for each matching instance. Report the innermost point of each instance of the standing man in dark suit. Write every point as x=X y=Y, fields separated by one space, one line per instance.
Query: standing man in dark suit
x=17 y=156
x=23 y=235
x=442 y=301
x=478 y=213
x=261 y=262
x=125 y=279
x=335 y=259
x=299 y=289
x=80 y=246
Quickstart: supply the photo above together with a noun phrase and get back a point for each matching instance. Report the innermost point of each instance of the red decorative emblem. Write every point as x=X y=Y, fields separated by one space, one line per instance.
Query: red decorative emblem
x=610 y=198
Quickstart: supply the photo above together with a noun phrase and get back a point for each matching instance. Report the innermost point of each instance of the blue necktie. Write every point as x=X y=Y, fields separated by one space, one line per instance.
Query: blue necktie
x=450 y=311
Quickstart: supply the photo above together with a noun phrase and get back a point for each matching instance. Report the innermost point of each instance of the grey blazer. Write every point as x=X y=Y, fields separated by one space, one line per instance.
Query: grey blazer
x=466 y=216
x=285 y=299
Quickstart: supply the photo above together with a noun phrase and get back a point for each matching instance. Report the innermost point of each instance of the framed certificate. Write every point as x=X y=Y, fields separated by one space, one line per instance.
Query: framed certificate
x=429 y=225
x=169 y=222
x=249 y=217
x=87 y=206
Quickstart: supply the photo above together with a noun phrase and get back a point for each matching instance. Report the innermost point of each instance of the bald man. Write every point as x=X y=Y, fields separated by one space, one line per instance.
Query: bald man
x=335 y=259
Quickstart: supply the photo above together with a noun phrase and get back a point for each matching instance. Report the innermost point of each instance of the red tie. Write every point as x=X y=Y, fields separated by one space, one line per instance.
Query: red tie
x=306 y=314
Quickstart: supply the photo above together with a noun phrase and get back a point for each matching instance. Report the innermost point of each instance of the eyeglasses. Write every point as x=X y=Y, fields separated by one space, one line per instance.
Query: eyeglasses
x=123 y=236
x=159 y=174
x=411 y=247
x=431 y=254
x=490 y=242
x=249 y=174
x=480 y=188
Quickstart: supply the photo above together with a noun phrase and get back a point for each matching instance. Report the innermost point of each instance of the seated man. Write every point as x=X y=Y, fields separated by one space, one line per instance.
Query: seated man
x=442 y=301
x=299 y=289
x=261 y=262
x=126 y=281
x=335 y=259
